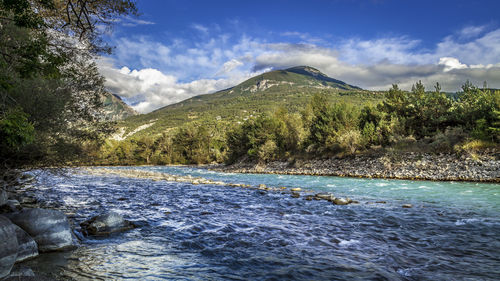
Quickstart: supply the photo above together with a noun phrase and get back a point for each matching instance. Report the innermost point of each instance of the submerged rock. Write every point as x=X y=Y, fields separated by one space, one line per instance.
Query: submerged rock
x=407 y=206
x=21 y=273
x=105 y=224
x=49 y=228
x=27 y=247
x=8 y=246
x=309 y=197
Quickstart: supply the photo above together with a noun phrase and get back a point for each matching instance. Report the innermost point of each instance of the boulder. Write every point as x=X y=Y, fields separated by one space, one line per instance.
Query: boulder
x=49 y=228
x=105 y=224
x=21 y=273
x=27 y=247
x=8 y=246
x=3 y=197
x=341 y=201
x=10 y=207
x=325 y=196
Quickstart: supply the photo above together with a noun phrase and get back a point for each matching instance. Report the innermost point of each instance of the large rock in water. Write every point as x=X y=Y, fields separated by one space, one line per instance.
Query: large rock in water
x=105 y=224
x=49 y=228
x=8 y=246
x=3 y=197
x=27 y=246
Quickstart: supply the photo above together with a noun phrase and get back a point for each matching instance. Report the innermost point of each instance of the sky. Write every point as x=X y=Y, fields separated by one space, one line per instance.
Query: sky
x=177 y=49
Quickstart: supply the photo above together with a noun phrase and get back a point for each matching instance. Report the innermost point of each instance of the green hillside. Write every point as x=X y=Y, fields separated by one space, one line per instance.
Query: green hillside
x=291 y=88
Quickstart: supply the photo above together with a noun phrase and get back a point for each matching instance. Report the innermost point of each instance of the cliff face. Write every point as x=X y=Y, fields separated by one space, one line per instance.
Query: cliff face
x=115 y=109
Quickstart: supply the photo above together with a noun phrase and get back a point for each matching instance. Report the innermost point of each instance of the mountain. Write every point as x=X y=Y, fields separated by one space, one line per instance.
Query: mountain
x=115 y=109
x=291 y=88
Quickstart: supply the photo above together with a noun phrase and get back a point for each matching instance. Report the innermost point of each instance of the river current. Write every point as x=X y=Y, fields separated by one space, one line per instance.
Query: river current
x=213 y=232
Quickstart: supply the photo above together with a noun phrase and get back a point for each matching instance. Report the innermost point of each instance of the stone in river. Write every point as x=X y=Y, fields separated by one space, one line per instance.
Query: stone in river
x=3 y=197
x=325 y=196
x=27 y=247
x=296 y=189
x=49 y=228
x=10 y=207
x=340 y=201
x=8 y=246
x=105 y=224
x=407 y=206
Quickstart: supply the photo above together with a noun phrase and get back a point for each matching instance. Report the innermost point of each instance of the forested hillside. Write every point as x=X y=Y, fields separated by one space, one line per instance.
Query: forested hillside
x=301 y=113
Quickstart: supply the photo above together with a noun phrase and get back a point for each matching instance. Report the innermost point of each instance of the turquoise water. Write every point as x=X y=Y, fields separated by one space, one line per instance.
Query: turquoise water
x=200 y=232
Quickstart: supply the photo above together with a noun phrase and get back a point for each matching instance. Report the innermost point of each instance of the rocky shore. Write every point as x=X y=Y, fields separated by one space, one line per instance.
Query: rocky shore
x=415 y=166
x=29 y=227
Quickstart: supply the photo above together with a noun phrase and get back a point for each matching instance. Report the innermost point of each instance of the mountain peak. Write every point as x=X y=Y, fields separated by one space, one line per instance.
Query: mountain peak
x=294 y=77
x=304 y=69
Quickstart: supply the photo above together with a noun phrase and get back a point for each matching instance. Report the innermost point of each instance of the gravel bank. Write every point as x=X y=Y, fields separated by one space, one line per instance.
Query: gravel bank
x=421 y=166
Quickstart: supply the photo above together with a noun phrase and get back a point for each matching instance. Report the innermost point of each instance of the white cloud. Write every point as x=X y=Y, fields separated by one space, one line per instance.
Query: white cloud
x=450 y=63
x=201 y=28
x=399 y=50
x=168 y=73
x=471 y=31
x=130 y=21
x=229 y=66
x=158 y=89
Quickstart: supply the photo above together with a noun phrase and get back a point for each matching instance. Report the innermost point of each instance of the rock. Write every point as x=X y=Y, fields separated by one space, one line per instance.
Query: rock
x=295 y=195
x=49 y=228
x=341 y=201
x=325 y=196
x=28 y=200
x=309 y=197
x=262 y=185
x=105 y=224
x=3 y=197
x=8 y=246
x=407 y=206
x=27 y=247
x=21 y=273
x=296 y=189
x=11 y=206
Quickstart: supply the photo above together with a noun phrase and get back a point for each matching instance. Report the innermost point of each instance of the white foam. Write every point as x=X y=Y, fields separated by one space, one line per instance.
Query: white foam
x=347 y=243
x=466 y=221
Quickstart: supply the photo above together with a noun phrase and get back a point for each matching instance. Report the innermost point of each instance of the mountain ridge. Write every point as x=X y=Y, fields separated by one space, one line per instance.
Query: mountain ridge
x=291 y=88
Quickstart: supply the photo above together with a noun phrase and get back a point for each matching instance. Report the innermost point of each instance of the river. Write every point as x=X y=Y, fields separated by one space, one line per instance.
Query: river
x=214 y=232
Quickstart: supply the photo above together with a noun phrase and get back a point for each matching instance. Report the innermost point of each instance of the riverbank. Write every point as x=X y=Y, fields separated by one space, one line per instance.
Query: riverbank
x=411 y=165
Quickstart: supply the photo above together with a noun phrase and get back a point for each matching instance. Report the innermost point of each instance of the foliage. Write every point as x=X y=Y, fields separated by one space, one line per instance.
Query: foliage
x=15 y=131
x=48 y=80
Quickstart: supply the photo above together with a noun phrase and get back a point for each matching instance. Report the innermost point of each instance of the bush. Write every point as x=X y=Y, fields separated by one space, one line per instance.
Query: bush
x=15 y=131
x=350 y=140
x=267 y=151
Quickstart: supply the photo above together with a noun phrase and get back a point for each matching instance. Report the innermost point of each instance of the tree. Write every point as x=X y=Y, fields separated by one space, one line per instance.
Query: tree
x=47 y=72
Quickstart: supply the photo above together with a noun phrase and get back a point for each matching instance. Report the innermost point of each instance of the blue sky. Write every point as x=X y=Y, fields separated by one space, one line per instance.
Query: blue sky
x=178 y=49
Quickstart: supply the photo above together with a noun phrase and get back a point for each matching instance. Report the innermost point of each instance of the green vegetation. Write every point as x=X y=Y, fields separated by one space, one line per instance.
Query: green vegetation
x=253 y=97
x=50 y=89
x=418 y=120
